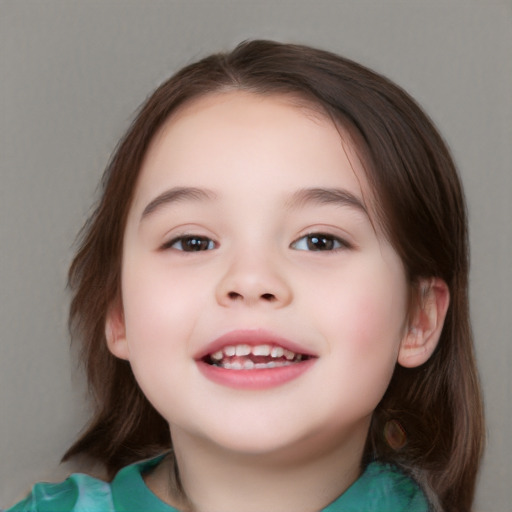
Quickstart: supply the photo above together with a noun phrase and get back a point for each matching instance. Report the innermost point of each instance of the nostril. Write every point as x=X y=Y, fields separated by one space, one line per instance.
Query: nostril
x=268 y=297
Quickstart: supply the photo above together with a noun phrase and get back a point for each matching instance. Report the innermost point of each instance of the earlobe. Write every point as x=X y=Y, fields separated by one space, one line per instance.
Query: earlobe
x=115 y=332
x=426 y=325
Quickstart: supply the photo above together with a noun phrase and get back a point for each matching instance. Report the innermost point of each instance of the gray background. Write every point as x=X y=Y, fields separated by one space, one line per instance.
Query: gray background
x=73 y=72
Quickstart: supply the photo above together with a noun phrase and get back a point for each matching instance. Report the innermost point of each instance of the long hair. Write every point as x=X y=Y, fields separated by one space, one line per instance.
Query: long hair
x=420 y=204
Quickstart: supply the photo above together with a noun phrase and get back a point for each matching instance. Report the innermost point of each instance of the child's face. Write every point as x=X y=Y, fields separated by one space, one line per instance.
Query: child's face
x=286 y=256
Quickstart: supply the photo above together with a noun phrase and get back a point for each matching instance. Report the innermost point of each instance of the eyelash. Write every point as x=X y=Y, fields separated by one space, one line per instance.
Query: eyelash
x=326 y=243
x=197 y=242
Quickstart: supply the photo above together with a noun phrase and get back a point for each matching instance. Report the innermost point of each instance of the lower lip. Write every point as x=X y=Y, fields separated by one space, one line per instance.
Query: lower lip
x=255 y=379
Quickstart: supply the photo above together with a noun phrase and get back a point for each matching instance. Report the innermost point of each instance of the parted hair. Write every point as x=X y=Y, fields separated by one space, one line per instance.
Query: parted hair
x=421 y=206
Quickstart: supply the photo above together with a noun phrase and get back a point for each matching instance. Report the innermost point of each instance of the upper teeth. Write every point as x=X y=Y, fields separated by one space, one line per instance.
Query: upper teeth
x=256 y=350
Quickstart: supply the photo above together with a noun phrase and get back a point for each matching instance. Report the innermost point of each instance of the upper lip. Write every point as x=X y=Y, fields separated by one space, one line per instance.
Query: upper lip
x=251 y=337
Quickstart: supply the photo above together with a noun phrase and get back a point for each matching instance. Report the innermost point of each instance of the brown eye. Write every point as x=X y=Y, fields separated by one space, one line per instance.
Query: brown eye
x=319 y=242
x=191 y=243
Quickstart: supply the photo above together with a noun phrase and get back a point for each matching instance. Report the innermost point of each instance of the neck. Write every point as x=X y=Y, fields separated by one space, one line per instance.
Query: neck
x=292 y=479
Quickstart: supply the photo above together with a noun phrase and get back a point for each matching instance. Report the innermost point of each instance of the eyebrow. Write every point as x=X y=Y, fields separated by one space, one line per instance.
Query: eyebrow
x=303 y=197
x=326 y=196
x=174 y=195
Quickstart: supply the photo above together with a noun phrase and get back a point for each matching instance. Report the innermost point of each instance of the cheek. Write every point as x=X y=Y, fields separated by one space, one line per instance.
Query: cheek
x=364 y=344
x=362 y=317
x=159 y=308
x=159 y=315
x=365 y=306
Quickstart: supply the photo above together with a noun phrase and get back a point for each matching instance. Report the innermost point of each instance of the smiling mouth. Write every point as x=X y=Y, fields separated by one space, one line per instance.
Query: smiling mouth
x=253 y=357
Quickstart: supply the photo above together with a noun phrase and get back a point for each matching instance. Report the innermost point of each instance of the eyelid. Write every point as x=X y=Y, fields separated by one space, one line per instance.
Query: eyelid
x=181 y=237
x=342 y=240
x=343 y=243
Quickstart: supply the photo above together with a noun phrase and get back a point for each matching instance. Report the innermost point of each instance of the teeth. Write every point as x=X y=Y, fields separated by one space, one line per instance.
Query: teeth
x=244 y=350
x=289 y=354
x=217 y=356
x=261 y=350
x=248 y=365
x=277 y=352
x=229 y=351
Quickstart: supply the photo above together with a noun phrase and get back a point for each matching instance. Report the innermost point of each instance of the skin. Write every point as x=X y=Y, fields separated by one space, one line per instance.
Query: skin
x=298 y=445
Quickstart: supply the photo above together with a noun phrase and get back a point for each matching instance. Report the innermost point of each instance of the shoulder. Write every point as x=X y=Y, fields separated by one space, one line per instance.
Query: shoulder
x=83 y=493
x=382 y=488
x=78 y=492
x=395 y=488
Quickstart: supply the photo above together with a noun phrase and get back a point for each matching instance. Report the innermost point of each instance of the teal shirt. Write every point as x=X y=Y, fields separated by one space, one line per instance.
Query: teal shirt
x=381 y=488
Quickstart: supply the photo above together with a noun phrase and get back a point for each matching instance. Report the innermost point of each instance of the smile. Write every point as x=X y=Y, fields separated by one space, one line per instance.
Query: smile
x=257 y=357
x=253 y=360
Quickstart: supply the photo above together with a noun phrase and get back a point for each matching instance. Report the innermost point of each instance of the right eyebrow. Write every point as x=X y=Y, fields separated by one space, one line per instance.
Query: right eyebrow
x=176 y=194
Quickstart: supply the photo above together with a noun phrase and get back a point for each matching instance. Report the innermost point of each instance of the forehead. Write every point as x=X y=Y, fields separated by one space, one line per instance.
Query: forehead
x=261 y=137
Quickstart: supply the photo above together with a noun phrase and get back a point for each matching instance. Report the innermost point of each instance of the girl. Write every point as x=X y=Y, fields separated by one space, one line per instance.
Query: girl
x=271 y=298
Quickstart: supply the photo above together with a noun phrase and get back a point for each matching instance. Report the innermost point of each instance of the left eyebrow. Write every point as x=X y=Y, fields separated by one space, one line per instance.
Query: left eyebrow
x=176 y=194
x=322 y=196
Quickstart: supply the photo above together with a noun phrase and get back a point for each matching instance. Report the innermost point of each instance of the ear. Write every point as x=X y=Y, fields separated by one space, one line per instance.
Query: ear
x=115 y=331
x=426 y=323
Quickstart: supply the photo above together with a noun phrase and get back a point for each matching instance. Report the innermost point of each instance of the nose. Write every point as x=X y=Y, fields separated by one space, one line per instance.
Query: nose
x=251 y=280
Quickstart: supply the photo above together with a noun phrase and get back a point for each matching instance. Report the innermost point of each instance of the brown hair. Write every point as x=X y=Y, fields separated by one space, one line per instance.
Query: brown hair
x=421 y=206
